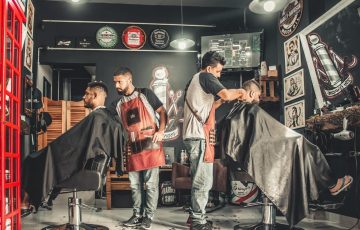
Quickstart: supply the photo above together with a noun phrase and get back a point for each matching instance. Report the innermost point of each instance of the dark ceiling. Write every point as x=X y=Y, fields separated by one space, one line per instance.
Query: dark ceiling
x=198 y=3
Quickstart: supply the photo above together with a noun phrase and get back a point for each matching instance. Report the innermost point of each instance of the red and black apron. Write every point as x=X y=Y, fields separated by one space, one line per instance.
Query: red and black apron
x=138 y=118
x=209 y=131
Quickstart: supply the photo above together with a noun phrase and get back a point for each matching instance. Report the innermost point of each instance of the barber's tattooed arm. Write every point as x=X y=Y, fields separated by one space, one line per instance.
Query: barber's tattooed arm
x=159 y=135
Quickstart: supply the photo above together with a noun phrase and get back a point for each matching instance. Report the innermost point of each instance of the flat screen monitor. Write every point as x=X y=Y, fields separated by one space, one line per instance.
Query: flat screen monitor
x=240 y=50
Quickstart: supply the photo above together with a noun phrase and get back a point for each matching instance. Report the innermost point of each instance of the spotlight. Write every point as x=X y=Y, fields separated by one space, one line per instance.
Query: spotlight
x=269 y=6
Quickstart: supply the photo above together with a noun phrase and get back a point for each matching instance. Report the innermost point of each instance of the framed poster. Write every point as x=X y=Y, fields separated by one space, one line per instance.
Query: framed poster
x=28 y=57
x=332 y=53
x=292 y=55
x=294 y=86
x=295 y=115
x=30 y=14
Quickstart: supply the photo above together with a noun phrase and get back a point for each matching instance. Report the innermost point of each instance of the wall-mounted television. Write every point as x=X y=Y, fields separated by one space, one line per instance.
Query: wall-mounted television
x=240 y=50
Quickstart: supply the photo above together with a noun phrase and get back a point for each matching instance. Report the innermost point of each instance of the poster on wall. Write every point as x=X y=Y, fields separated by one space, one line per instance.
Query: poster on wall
x=28 y=57
x=30 y=14
x=290 y=17
x=294 y=86
x=292 y=55
x=170 y=98
x=294 y=115
x=332 y=54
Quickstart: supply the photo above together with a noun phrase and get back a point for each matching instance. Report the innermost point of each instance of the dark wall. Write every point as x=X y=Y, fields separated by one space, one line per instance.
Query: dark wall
x=183 y=66
x=340 y=165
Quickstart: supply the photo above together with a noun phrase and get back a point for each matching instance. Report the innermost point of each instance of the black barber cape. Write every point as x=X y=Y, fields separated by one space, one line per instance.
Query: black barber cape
x=66 y=155
x=284 y=164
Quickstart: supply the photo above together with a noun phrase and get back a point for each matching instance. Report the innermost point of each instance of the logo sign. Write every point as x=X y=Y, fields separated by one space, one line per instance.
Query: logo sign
x=159 y=39
x=290 y=17
x=64 y=42
x=133 y=37
x=106 y=37
x=84 y=43
x=171 y=100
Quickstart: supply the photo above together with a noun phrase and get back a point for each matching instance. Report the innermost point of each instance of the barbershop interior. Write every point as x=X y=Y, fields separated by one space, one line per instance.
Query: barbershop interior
x=179 y=114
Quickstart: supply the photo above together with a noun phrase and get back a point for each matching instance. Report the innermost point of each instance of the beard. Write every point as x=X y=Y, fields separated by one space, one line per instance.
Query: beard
x=122 y=92
x=88 y=105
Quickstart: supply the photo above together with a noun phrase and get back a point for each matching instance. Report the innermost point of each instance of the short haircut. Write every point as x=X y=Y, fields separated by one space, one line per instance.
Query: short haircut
x=99 y=85
x=122 y=71
x=212 y=58
x=249 y=83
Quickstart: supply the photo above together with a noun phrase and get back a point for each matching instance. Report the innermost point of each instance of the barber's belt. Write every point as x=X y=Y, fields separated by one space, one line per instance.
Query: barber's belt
x=141 y=145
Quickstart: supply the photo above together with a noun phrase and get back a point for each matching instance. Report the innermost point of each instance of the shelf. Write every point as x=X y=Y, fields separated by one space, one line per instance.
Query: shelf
x=121 y=50
x=269 y=78
x=270 y=99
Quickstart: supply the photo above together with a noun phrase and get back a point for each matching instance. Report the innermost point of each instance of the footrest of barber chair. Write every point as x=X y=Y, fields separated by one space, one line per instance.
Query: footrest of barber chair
x=261 y=226
x=82 y=226
x=325 y=206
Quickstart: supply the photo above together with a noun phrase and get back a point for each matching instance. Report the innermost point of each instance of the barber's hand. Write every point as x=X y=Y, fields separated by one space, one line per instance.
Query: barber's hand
x=158 y=136
x=244 y=96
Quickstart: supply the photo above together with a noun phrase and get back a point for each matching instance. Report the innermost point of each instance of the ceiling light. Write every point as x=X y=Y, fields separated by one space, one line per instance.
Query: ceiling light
x=267 y=6
x=182 y=43
x=76 y=1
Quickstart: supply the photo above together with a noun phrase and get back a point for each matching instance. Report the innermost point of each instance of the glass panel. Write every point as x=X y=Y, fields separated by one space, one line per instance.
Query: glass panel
x=17 y=30
x=15 y=222
x=16 y=56
x=14 y=196
x=15 y=139
x=15 y=84
x=8 y=47
x=8 y=110
x=14 y=170
x=7 y=201
x=14 y=118
x=7 y=170
x=9 y=19
x=7 y=139
x=8 y=78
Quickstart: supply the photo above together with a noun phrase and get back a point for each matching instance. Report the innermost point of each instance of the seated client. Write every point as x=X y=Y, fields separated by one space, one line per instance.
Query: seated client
x=66 y=155
x=283 y=163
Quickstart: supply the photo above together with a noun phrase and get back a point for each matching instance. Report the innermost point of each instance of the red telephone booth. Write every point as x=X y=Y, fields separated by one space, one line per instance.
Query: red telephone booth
x=11 y=20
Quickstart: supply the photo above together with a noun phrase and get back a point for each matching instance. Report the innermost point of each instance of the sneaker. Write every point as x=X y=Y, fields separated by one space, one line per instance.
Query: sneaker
x=146 y=223
x=206 y=226
x=133 y=221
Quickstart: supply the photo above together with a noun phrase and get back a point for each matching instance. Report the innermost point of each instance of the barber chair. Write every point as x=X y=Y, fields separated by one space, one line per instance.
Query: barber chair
x=91 y=178
x=268 y=221
x=181 y=179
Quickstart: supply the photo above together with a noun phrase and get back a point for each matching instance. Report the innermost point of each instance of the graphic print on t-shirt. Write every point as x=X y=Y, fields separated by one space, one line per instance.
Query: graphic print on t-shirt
x=132 y=116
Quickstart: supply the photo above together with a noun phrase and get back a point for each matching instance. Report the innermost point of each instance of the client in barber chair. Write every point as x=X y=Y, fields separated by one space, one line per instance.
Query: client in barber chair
x=68 y=154
x=284 y=164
